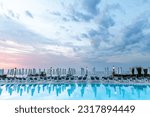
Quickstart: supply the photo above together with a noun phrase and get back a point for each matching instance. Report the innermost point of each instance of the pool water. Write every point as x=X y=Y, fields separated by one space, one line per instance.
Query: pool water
x=75 y=92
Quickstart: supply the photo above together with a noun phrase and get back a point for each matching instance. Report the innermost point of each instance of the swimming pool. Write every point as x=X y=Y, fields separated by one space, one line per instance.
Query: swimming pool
x=75 y=91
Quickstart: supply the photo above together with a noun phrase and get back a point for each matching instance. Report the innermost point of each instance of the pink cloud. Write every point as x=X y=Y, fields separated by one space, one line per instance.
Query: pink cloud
x=36 y=60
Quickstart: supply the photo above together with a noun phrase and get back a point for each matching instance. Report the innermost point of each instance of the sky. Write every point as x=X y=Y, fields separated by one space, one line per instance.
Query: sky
x=74 y=33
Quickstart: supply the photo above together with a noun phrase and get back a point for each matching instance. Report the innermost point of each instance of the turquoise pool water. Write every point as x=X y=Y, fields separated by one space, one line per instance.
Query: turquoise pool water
x=75 y=92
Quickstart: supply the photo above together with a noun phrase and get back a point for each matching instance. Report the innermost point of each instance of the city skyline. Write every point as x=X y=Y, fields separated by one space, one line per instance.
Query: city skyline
x=65 y=33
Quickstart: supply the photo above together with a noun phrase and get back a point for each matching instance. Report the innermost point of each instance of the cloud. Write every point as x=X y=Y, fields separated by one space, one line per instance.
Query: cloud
x=91 y=6
x=59 y=50
x=122 y=48
x=113 y=7
x=83 y=10
x=135 y=44
x=14 y=47
x=133 y=35
x=56 y=13
x=79 y=16
x=11 y=13
x=102 y=33
x=14 y=31
x=92 y=30
x=29 y=14
x=21 y=44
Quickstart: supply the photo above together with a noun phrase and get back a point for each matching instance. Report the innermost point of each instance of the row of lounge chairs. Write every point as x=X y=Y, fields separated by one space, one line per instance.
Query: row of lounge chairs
x=126 y=79
x=48 y=78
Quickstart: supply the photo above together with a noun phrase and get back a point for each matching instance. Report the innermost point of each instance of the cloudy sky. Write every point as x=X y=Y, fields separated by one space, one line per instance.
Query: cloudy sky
x=43 y=33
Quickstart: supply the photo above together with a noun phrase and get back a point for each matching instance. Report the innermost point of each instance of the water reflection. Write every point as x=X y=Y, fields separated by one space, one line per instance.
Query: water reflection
x=1 y=91
x=94 y=88
x=77 y=91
